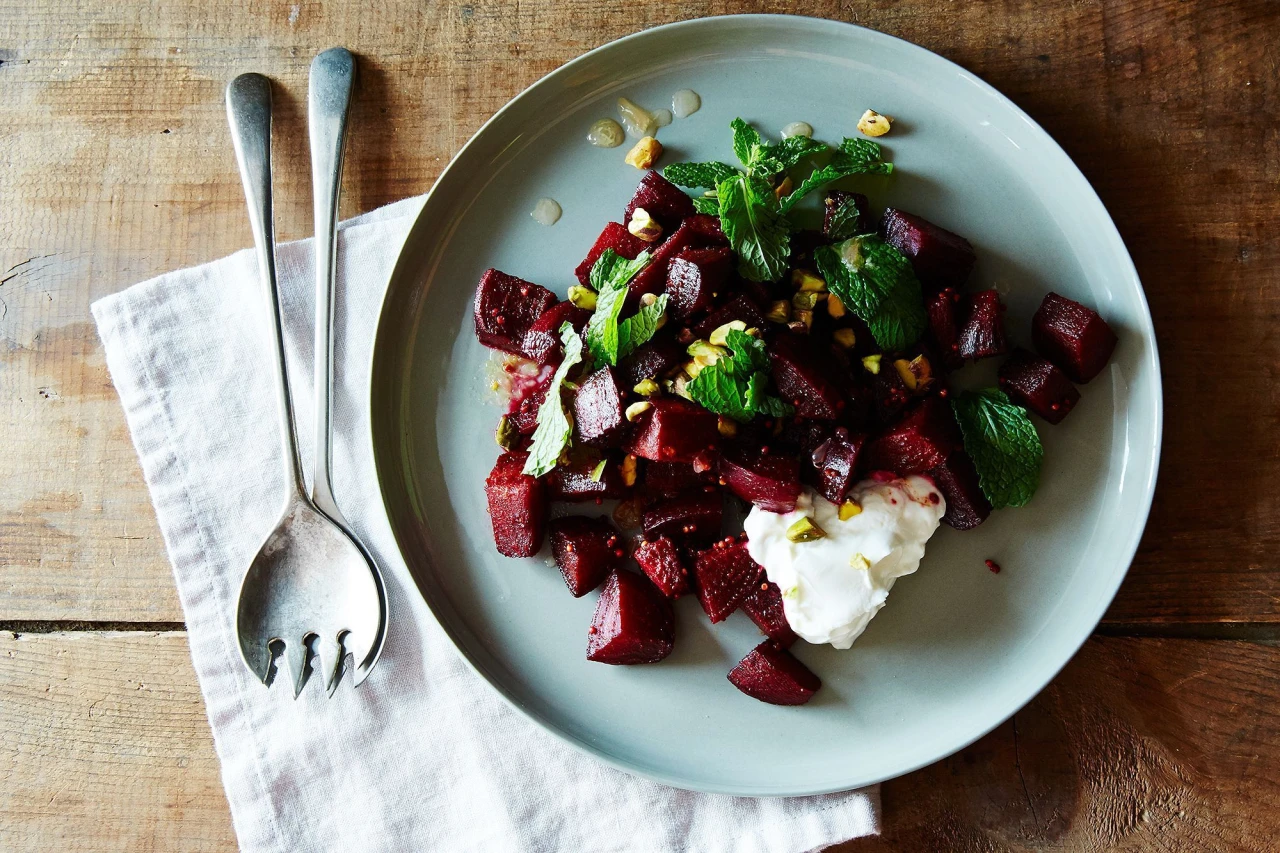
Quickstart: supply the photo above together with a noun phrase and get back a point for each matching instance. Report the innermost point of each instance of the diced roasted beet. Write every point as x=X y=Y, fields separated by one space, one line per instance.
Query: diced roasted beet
x=652 y=360
x=957 y=479
x=542 y=342
x=982 y=335
x=695 y=277
x=1035 y=383
x=633 y=622
x=740 y=307
x=939 y=257
x=525 y=417
x=586 y=550
x=1073 y=337
x=772 y=674
x=770 y=481
x=661 y=199
x=943 y=312
x=574 y=482
x=599 y=412
x=725 y=574
x=923 y=439
x=764 y=606
x=696 y=232
x=661 y=563
x=804 y=436
x=673 y=430
x=890 y=393
x=845 y=215
x=616 y=237
x=668 y=479
x=506 y=308
x=517 y=506
x=692 y=520
x=802 y=382
x=836 y=461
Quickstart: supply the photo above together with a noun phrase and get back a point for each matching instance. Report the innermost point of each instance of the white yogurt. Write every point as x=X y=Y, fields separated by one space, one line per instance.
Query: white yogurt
x=685 y=103
x=546 y=212
x=831 y=587
x=798 y=128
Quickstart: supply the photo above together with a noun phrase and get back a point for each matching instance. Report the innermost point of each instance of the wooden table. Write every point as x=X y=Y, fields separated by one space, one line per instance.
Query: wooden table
x=1162 y=734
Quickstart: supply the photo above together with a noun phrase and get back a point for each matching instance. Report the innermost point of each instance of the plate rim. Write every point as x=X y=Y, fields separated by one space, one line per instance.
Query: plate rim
x=1129 y=272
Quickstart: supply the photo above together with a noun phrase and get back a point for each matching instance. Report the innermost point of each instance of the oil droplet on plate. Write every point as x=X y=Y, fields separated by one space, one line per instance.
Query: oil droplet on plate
x=546 y=212
x=606 y=133
x=662 y=118
x=685 y=103
x=798 y=128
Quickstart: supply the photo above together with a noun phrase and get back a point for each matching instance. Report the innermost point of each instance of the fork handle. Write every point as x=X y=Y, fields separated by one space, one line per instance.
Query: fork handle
x=328 y=102
x=249 y=114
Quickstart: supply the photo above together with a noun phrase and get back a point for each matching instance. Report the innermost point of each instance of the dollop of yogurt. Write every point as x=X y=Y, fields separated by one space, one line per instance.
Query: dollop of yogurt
x=833 y=586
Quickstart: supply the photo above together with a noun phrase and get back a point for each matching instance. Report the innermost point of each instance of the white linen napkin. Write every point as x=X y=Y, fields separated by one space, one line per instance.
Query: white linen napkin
x=423 y=755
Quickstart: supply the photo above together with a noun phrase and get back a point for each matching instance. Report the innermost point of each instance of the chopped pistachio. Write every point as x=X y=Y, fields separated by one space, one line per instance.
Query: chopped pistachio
x=582 y=297
x=726 y=427
x=845 y=338
x=706 y=353
x=791 y=592
x=507 y=434
x=808 y=282
x=872 y=363
x=753 y=332
x=635 y=410
x=643 y=226
x=645 y=153
x=692 y=369
x=804 y=300
x=805 y=529
x=629 y=470
x=720 y=336
x=874 y=124
x=904 y=370
x=779 y=312
x=783 y=189
x=647 y=388
x=597 y=473
x=835 y=307
x=805 y=316
x=859 y=561
x=849 y=509
x=678 y=386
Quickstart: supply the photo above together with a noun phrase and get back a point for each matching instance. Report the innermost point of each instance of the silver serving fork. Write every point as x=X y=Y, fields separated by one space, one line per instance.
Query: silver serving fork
x=311 y=583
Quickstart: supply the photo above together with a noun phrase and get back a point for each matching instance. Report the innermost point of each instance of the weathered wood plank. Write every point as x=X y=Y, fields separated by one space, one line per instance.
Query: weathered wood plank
x=117 y=168
x=1141 y=744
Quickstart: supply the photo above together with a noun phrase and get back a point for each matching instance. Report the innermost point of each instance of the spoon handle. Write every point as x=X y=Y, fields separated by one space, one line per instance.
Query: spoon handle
x=328 y=101
x=249 y=114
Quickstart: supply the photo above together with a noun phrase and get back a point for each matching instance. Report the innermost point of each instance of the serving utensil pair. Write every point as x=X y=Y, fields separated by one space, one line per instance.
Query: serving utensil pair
x=312 y=588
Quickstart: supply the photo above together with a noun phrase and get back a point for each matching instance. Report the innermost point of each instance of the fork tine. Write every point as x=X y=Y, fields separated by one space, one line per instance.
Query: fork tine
x=332 y=657
x=298 y=656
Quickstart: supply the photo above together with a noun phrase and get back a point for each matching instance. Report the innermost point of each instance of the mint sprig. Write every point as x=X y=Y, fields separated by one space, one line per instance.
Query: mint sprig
x=1003 y=444
x=875 y=281
x=698 y=175
x=735 y=386
x=754 y=226
x=553 y=431
x=607 y=339
x=853 y=157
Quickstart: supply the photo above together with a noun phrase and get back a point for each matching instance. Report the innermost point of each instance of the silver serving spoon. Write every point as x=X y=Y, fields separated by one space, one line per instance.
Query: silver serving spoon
x=311 y=581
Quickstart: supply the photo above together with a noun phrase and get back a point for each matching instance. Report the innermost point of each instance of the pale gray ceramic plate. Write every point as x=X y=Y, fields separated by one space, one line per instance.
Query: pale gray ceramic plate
x=958 y=649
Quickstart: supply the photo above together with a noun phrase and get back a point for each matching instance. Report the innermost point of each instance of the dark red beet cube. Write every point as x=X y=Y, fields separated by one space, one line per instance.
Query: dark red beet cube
x=661 y=563
x=1073 y=337
x=772 y=674
x=982 y=335
x=616 y=237
x=1035 y=383
x=696 y=232
x=525 y=417
x=770 y=481
x=662 y=200
x=943 y=312
x=923 y=439
x=517 y=506
x=673 y=430
x=633 y=622
x=802 y=381
x=845 y=215
x=725 y=574
x=575 y=482
x=957 y=479
x=506 y=308
x=695 y=277
x=542 y=342
x=939 y=257
x=764 y=606
x=668 y=479
x=586 y=550
x=740 y=307
x=652 y=360
x=691 y=520
x=599 y=411
x=890 y=393
x=836 y=461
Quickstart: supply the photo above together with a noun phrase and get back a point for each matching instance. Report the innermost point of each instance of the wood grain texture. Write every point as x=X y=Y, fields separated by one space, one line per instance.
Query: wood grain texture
x=1141 y=744
x=117 y=168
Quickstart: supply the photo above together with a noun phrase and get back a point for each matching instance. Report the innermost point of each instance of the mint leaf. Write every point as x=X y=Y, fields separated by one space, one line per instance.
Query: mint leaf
x=843 y=219
x=746 y=142
x=790 y=151
x=707 y=205
x=735 y=386
x=636 y=330
x=875 y=281
x=698 y=175
x=756 y=229
x=609 y=276
x=721 y=390
x=1003 y=443
x=552 y=433
x=749 y=353
x=853 y=157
